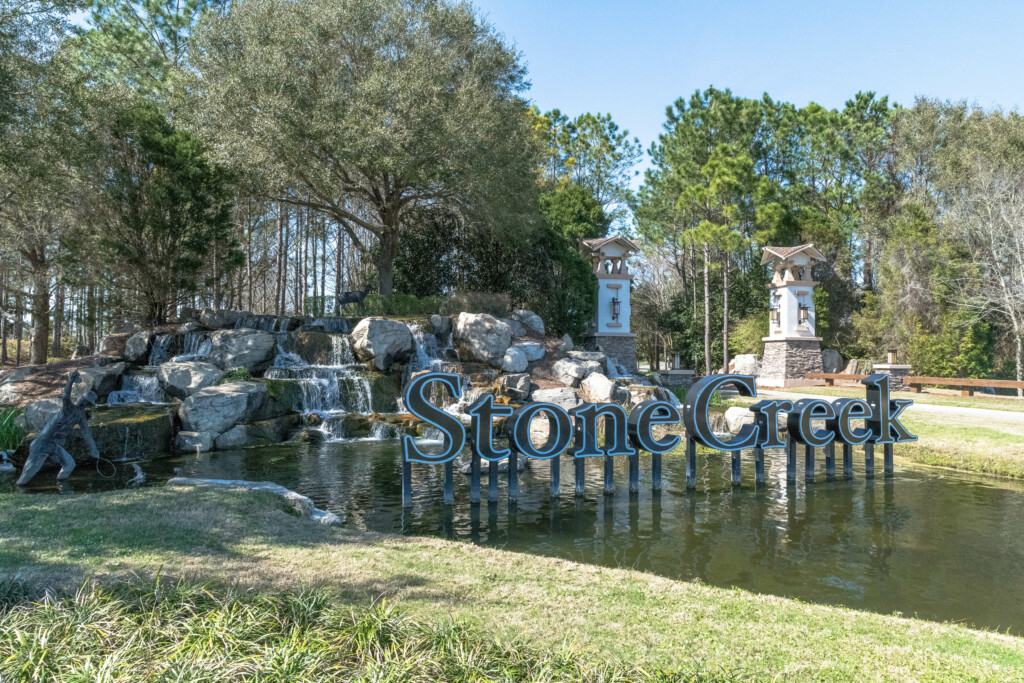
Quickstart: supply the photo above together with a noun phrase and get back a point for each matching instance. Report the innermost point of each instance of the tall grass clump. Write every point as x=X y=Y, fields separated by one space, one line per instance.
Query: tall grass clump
x=10 y=433
x=186 y=632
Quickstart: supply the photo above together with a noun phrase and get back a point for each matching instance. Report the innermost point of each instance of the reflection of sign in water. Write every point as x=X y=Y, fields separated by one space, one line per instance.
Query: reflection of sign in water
x=575 y=432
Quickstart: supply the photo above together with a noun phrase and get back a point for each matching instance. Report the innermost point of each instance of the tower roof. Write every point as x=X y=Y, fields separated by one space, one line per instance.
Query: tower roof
x=598 y=243
x=783 y=253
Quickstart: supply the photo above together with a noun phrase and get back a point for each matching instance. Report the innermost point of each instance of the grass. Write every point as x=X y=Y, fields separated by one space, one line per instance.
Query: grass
x=990 y=402
x=187 y=631
x=10 y=433
x=511 y=614
x=241 y=374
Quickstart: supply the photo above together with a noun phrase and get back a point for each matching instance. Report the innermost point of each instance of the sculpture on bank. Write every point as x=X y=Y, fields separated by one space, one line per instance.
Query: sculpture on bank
x=49 y=443
x=351 y=298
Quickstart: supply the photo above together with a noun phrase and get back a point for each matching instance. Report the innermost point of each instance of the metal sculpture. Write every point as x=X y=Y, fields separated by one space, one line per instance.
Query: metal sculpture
x=49 y=443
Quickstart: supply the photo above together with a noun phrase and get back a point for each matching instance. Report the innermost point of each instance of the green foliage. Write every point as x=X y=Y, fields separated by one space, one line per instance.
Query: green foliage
x=494 y=303
x=401 y=305
x=216 y=634
x=958 y=347
x=574 y=212
x=747 y=334
x=241 y=374
x=167 y=207
x=10 y=433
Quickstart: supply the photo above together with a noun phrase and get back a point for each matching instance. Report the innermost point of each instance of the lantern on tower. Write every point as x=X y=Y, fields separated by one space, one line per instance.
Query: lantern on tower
x=609 y=330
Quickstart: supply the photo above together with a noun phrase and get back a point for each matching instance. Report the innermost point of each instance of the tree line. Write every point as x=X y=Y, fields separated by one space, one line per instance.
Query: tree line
x=918 y=210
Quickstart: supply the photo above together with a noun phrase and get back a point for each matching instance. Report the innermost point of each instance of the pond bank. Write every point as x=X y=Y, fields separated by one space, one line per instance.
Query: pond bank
x=246 y=539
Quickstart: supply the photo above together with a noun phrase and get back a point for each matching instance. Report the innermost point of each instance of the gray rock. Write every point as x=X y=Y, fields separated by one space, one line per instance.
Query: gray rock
x=187 y=313
x=218 y=318
x=530 y=320
x=216 y=409
x=566 y=344
x=518 y=330
x=182 y=379
x=81 y=351
x=236 y=437
x=442 y=325
x=102 y=380
x=193 y=442
x=593 y=356
x=482 y=337
x=136 y=349
x=564 y=398
x=736 y=417
x=597 y=388
x=36 y=414
x=515 y=386
x=301 y=504
x=570 y=371
x=534 y=350
x=831 y=361
x=242 y=349
x=514 y=360
x=382 y=341
x=745 y=364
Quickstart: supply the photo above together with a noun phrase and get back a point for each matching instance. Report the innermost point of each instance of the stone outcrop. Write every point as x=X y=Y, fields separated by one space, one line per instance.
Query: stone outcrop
x=136 y=349
x=101 y=380
x=215 y=410
x=299 y=503
x=591 y=356
x=382 y=341
x=534 y=350
x=315 y=348
x=515 y=386
x=182 y=379
x=572 y=371
x=481 y=337
x=745 y=364
x=566 y=345
x=36 y=414
x=564 y=398
x=517 y=328
x=831 y=361
x=530 y=319
x=442 y=325
x=514 y=361
x=218 y=318
x=736 y=417
x=597 y=388
x=245 y=348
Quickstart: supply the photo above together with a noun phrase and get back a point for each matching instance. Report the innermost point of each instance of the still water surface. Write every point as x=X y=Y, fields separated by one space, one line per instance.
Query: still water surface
x=931 y=543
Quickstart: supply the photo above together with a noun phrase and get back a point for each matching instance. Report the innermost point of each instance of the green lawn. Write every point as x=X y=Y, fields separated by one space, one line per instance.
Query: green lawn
x=631 y=621
x=991 y=402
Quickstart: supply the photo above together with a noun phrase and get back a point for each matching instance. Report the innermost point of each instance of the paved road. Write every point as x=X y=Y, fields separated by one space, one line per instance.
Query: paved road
x=986 y=414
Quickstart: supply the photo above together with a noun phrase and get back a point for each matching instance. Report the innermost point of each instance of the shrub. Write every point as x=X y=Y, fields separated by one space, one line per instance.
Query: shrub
x=747 y=334
x=401 y=305
x=236 y=375
x=10 y=433
x=498 y=305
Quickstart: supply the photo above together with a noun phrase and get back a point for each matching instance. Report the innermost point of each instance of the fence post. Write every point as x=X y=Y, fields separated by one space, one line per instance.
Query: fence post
x=758 y=465
x=830 y=461
x=513 y=477
x=449 y=483
x=406 y=483
x=808 y=462
x=474 y=478
x=847 y=461
x=691 y=463
x=869 y=460
x=556 y=475
x=790 y=460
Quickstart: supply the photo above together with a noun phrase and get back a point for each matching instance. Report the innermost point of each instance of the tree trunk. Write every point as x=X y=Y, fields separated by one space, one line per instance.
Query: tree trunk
x=58 y=323
x=280 y=258
x=386 y=261
x=1020 y=362
x=707 y=311
x=18 y=331
x=40 y=312
x=725 y=316
x=338 y=283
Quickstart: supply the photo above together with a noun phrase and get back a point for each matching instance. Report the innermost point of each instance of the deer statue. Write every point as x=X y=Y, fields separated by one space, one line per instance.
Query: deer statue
x=351 y=298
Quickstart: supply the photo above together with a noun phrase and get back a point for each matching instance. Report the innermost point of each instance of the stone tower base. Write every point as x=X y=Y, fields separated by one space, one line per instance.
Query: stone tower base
x=621 y=347
x=786 y=361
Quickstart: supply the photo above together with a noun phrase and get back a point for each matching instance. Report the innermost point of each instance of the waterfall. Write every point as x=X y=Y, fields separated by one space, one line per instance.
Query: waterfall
x=331 y=325
x=138 y=388
x=160 y=351
x=329 y=391
x=198 y=346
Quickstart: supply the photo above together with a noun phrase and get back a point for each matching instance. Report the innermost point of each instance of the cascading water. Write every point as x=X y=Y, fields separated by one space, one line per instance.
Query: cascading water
x=198 y=346
x=160 y=351
x=430 y=355
x=138 y=388
x=328 y=391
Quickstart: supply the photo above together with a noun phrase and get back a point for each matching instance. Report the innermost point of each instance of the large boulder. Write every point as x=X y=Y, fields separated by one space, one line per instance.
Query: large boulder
x=736 y=417
x=242 y=349
x=482 y=337
x=591 y=356
x=218 y=318
x=533 y=350
x=319 y=348
x=263 y=433
x=566 y=344
x=382 y=341
x=182 y=379
x=745 y=364
x=515 y=386
x=518 y=329
x=530 y=319
x=564 y=398
x=442 y=325
x=597 y=388
x=136 y=349
x=831 y=361
x=101 y=380
x=571 y=372
x=217 y=409
x=36 y=414
x=514 y=361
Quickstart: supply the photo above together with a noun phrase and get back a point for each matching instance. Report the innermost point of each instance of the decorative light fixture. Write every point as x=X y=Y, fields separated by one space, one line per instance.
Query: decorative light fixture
x=774 y=315
x=802 y=313
x=616 y=308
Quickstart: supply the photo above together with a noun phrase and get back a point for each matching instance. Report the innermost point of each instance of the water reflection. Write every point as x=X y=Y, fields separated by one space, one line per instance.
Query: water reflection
x=931 y=543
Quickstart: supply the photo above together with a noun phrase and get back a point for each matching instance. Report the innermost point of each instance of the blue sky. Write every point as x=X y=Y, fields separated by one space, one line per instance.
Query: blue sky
x=632 y=59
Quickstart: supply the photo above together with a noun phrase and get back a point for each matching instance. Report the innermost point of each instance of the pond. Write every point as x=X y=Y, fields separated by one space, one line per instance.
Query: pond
x=931 y=543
